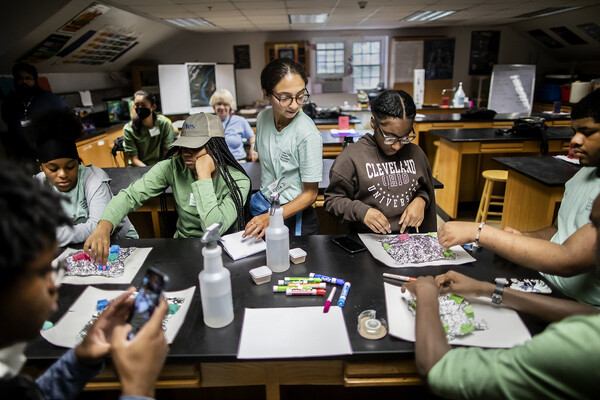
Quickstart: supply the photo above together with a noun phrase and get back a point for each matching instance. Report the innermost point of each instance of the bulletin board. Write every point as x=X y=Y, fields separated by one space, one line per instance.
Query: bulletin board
x=434 y=54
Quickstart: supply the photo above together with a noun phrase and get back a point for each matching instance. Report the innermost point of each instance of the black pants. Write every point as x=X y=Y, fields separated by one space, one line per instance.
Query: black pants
x=304 y=223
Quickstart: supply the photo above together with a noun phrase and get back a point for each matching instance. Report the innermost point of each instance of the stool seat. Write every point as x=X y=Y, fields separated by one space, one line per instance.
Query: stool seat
x=491 y=176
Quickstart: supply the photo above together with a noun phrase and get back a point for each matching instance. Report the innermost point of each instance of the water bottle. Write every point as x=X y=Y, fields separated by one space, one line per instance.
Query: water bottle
x=215 y=282
x=459 y=97
x=278 y=240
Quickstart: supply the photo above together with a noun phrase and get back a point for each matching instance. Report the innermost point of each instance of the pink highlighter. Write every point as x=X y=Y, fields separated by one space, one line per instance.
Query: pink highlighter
x=329 y=299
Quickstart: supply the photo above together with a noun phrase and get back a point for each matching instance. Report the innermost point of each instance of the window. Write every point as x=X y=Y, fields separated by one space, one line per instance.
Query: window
x=366 y=61
x=330 y=58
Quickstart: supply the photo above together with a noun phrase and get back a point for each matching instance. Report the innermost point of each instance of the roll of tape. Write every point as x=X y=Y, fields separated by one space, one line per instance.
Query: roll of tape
x=370 y=327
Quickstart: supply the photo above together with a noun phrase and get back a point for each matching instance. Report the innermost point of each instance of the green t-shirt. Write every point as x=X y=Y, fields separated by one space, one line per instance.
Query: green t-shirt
x=74 y=202
x=199 y=203
x=295 y=153
x=561 y=362
x=580 y=192
x=149 y=145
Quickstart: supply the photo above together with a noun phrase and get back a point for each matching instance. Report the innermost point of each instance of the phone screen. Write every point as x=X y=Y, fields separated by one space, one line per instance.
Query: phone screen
x=149 y=294
x=348 y=244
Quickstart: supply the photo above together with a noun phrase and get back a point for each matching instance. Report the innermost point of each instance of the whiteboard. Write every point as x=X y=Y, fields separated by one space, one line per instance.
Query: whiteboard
x=511 y=88
x=175 y=89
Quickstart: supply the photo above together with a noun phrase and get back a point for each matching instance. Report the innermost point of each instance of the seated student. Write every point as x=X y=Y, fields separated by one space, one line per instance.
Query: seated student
x=28 y=295
x=569 y=268
x=236 y=127
x=85 y=190
x=561 y=362
x=148 y=136
x=383 y=182
x=208 y=184
x=290 y=148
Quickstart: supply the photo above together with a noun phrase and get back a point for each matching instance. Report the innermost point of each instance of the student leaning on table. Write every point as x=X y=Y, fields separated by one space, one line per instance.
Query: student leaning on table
x=561 y=362
x=290 y=148
x=84 y=189
x=383 y=182
x=28 y=293
x=208 y=184
x=148 y=136
x=571 y=239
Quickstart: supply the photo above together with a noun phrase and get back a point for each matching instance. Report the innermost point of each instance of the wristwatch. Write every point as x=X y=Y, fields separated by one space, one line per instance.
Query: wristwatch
x=498 y=291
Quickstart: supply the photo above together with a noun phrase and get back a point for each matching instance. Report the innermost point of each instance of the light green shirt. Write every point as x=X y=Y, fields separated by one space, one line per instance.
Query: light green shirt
x=149 y=145
x=295 y=153
x=563 y=362
x=580 y=192
x=199 y=203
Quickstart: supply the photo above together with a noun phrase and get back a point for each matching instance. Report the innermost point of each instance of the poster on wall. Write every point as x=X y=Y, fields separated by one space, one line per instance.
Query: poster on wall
x=485 y=46
x=241 y=54
x=287 y=51
x=84 y=18
x=202 y=84
x=438 y=58
x=47 y=49
x=103 y=46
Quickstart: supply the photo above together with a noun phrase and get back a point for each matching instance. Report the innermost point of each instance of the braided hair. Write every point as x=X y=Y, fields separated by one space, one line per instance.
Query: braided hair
x=30 y=214
x=394 y=104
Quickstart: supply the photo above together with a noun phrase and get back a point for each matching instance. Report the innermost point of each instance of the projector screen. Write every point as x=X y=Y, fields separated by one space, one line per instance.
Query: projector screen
x=186 y=88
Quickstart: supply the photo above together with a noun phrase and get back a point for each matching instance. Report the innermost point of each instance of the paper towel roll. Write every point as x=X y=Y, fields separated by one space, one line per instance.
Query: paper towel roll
x=579 y=90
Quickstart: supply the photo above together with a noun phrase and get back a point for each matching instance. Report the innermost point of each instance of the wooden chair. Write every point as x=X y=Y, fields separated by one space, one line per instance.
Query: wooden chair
x=487 y=198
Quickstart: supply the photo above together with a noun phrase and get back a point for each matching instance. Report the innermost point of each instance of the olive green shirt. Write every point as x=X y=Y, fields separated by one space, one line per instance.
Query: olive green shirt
x=149 y=145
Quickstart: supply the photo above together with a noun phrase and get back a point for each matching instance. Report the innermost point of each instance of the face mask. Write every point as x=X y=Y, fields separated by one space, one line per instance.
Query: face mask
x=143 y=112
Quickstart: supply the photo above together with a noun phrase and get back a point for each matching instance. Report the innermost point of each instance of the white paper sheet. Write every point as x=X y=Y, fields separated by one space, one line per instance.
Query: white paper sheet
x=237 y=247
x=567 y=159
x=133 y=263
x=376 y=249
x=505 y=328
x=66 y=331
x=86 y=98
x=290 y=332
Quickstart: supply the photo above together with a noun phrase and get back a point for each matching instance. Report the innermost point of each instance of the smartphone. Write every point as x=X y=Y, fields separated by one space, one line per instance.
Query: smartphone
x=149 y=294
x=348 y=244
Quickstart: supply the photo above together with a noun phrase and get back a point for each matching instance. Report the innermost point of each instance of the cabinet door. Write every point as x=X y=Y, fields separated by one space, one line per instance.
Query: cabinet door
x=96 y=151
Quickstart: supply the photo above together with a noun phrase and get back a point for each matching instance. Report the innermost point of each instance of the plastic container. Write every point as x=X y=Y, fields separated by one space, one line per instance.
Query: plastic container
x=297 y=255
x=261 y=275
x=459 y=97
x=278 y=240
x=215 y=282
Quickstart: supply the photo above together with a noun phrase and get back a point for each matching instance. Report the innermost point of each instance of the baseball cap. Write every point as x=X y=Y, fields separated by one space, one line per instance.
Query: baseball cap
x=198 y=129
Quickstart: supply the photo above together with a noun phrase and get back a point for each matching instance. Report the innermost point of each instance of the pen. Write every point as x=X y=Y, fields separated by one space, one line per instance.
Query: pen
x=329 y=279
x=328 y=302
x=344 y=294
x=304 y=292
x=399 y=277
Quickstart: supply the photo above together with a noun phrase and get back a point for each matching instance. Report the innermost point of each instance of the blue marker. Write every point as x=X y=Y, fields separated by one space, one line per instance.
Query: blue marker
x=328 y=279
x=344 y=294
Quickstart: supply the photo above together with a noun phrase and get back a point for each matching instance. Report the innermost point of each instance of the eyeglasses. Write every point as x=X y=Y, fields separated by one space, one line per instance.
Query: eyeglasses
x=392 y=139
x=286 y=101
x=56 y=269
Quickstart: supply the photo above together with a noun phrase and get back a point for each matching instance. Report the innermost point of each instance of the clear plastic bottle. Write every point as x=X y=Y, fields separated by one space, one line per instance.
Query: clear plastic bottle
x=459 y=97
x=278 y=240
x=215 y=282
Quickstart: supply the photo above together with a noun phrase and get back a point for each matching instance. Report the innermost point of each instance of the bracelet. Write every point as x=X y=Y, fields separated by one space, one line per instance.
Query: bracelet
x=478 y=233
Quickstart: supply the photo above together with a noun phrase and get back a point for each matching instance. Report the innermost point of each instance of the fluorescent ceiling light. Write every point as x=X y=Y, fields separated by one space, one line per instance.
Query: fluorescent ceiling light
x=308 y=18
x=189 y=22
x=546 y=11
x=428 y=15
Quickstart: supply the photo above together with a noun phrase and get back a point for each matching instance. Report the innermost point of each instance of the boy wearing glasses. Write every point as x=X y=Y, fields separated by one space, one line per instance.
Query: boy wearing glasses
x=28 y=296
x=383 y=182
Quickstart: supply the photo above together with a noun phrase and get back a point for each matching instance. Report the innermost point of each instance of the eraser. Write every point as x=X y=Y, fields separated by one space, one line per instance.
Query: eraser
x=81 y=256
x=403 y=237
x=114 y=249
x=112 y=256
x=297 y=255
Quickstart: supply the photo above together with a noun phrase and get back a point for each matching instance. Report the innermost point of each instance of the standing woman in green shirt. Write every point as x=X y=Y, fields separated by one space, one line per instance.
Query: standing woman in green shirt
x=208 y=184
x=148 y=136
x=290 y=151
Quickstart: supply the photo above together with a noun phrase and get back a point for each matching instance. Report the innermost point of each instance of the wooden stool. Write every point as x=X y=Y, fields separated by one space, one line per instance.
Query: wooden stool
x=436 y=158
x=491 y=176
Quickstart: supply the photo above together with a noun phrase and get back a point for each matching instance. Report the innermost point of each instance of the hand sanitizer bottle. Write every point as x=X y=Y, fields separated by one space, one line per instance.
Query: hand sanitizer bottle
x=278 y=240
x=459 y=97
x=215 y=282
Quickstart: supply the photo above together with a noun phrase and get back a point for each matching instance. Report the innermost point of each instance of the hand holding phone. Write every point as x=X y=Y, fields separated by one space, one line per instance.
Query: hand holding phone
x=348 y=244
x=148 y=298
